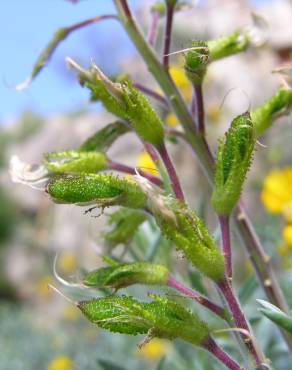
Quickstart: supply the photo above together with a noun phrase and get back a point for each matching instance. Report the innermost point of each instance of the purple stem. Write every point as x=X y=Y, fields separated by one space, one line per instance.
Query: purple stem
x=167 y=36
x=152 y=94
x=198 y=108
x=152 y=35
x=225 y=233
x=211 y=346
x=204 y=301
x=171 y=172
x=130 y=170
x=239 y=319
x=91 y=21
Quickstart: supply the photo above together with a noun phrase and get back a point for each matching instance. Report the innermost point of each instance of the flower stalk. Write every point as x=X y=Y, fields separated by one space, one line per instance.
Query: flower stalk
x=226 y=244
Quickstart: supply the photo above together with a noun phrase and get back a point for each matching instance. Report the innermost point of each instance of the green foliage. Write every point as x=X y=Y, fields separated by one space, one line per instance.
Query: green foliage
x=121 y=276
x=162 y=318
x=104 y=138
x=74 y=162
x=126 y=102
x=100 y=189
x=233 y=161
x=196 y=62
x=184 y=228
x=226 y=46
x=279 y=105
x=125 y=223
x=274 y=314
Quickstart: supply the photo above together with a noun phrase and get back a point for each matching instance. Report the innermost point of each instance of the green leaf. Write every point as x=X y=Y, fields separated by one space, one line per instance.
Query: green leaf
x=264 y=116
x=233 y=161
x=105 y=137
x=74 y=162
x=276 y=315
x=101 y=189
x=163 y=318
x=125 y=223
x=124 y=275
x=108 y=365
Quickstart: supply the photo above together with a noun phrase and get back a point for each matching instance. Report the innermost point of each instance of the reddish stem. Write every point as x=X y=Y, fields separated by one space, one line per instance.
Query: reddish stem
x=239 y=319
x=152 y=35
x=211 y=346
x=198 y=108
x=130 y=170
x=168 y=31
x=204 y=301
x=91 y=21
x=171 y=172
x=225 y=233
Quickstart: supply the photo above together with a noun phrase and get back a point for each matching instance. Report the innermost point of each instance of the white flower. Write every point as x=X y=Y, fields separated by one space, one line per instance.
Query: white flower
x=33 y=175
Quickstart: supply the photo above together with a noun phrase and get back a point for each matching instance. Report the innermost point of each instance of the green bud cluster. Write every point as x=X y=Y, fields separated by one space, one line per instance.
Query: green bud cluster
x=163 y=318
x=196 y=62
x=74 y=162
x=126 y=102
x=100 y=189
x=225 y=46
x=120 y=276
x=104 y=138
x=279 y=105
x=125 y=223
x=190 y=235
x=233 y=161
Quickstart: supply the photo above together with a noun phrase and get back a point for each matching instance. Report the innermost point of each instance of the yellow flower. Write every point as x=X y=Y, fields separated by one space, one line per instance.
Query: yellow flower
x=179 y=77
x=67 y=262
x=287 y=212
x=146 y=163
x=287 y=234
x=42 y=286
x=171 y=120
x=277 y=191
x=155 y=349
x=61 y=363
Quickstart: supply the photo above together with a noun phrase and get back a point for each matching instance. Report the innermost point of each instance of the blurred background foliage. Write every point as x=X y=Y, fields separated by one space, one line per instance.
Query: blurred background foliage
x=40 y=331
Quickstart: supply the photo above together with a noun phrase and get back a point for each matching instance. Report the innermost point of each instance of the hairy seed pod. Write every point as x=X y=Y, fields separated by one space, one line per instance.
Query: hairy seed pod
x=101 y=189
x=196 y=62
x=277 y=106
x=120 y=276
x=75 y=162
x=233 y=161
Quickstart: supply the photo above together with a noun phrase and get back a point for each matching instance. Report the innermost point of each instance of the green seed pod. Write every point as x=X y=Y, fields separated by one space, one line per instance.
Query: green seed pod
x=196 y=62
x=184 y=228
x=279 y=105
x=124 y=101
x=233 y=161
x=121 y=276
x=101 y=189
x=161 y=318
x=125 y=224
x=75 y=162
x=228 y=45
x=104 y=138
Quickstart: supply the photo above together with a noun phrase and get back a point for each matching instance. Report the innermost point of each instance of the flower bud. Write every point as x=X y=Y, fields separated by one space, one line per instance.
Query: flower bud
x=121 y=276
x=163 y=318
x=125 y=223
x=196 y=62
x=124 y=101
x=233 y=161
x=228 y=45
x=75 y=162
x=101 y=189
x=279 y=105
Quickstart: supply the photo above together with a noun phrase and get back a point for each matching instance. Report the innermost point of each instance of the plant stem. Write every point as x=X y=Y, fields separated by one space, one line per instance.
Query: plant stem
x=152 y=34
x=225 y=232
x=168 y=32
x=171 y=172
x=198 y=108
x=221 y=355
x=153 y=94
x=130 y=170
x=243 y=228
x=240 y=320
x=204 y=301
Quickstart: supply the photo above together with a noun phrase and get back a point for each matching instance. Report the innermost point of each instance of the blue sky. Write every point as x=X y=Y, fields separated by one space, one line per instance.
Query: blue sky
x=27 y=25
